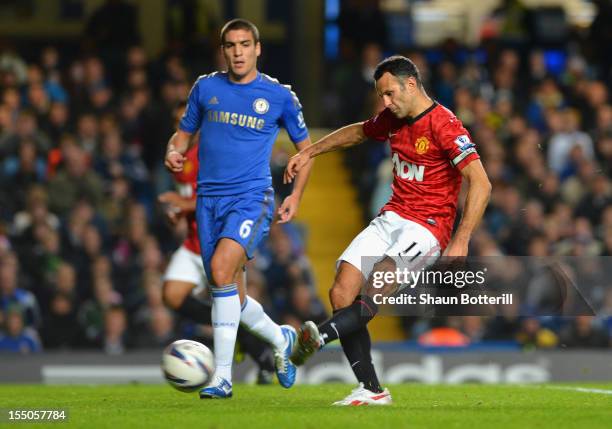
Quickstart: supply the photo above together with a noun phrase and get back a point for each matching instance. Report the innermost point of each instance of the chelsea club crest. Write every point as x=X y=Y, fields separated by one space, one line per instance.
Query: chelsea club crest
x=261 y=105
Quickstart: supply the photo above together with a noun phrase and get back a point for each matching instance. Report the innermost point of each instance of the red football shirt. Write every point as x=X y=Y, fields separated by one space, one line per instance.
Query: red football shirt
x=186 y=182
x=428 y=152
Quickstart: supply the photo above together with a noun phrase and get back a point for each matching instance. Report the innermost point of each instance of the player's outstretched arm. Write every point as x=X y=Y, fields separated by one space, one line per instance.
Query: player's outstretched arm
x=178 y=145
x=350 y=135
x=177 y=206
x=288 y=208
x=479 y=191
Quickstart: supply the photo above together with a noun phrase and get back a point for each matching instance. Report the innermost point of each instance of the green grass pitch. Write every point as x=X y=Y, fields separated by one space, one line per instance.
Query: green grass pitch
x=415 y=406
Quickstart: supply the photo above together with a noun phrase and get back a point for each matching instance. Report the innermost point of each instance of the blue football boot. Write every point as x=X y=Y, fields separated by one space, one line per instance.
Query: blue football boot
x=285 y=369
x=220 y=388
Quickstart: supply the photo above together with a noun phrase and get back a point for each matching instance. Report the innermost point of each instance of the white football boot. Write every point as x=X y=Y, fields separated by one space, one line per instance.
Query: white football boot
x=308 y=342
x=362 y=396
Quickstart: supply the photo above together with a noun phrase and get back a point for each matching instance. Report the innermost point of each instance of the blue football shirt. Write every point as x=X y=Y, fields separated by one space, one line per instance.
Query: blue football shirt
x=238 y=126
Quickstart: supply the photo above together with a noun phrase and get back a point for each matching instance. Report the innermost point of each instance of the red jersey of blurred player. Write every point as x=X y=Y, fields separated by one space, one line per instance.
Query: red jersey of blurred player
x=186 y=184
x=428 y=152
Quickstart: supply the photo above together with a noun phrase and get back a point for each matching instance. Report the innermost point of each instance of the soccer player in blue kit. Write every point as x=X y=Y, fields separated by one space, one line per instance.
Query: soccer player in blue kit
x=239 y=114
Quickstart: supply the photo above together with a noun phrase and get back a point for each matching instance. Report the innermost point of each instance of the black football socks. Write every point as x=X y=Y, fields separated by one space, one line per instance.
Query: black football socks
x=349 y=319
x=371 y=379
x=195 y=310
x=357 y=349
x=259 y=350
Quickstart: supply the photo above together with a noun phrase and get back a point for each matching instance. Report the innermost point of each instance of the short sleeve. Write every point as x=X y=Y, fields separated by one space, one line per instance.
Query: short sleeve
x=293 y=118
x=192 y=118
x=379 y=127
x=457 y=143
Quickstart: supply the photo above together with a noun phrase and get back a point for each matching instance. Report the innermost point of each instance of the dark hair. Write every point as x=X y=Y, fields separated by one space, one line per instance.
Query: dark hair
x=398 y=66
x=239 y=24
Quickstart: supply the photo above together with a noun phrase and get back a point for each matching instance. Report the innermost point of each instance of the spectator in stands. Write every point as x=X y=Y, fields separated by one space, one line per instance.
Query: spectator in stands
x=154 y=324
x=584 y=332
x=93 y=248
x=564 y=140
x=16 y=337
x=115 y=160
x=74 y=181
x=87 y=133
x=26 y=128
x=41 y=260
x=303 y=306
x=58 y=121
x=525 y=228
x=61 y=328
x=12 y=64
x=283 y=268
x=128 y=256
x=22 y=171
x=115 y=327
x=473 y=327
x=13 y=296
x=596 y=200
x=505 y=326
x=11 y=100
x=92 y=311
x=532 y=335
x=115 y=206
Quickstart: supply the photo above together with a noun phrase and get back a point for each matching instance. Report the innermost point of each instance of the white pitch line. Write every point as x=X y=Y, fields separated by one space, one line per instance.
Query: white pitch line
x=581 y=389
x=569 y=388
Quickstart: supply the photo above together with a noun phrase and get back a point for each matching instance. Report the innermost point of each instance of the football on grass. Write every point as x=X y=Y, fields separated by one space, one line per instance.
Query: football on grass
x=188 y=365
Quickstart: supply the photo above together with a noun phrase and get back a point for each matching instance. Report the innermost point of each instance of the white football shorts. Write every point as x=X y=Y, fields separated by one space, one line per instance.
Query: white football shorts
x=186 y=266
x=389 y=234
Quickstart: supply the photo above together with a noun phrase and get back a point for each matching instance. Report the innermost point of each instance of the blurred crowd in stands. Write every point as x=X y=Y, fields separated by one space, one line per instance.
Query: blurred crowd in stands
x=83 y=242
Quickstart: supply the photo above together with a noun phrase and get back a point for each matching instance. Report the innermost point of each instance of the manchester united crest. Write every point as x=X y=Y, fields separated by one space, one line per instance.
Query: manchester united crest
x=421 y=145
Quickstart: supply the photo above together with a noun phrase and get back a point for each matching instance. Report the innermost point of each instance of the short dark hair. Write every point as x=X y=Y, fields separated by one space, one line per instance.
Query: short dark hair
x=240 y=24
x=398 y=66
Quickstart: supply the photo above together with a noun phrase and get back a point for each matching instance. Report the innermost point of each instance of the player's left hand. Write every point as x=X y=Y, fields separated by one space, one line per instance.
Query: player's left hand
x=288 y=209
x=457 y=248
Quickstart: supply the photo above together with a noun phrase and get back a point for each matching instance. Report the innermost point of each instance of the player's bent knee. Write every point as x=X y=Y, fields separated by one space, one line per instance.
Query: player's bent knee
x=226 y=263
x=347 y=285
x=340 y=296
x=173 y=294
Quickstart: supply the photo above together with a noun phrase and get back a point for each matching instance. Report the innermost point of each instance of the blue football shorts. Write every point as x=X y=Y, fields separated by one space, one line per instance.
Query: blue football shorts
x=244 y=218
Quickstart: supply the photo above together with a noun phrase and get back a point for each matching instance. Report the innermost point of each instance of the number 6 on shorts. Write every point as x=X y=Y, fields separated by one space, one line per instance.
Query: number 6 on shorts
x=245 y=228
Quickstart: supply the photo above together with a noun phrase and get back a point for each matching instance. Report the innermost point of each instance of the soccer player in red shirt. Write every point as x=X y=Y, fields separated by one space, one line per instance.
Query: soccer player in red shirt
x=431 y=153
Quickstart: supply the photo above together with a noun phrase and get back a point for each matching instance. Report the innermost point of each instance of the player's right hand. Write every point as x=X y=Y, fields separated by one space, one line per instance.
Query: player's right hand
x=174 y=161
x=295 y=164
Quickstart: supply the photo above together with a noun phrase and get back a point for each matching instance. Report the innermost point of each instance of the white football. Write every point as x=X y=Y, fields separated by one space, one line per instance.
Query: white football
x=188 y=365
